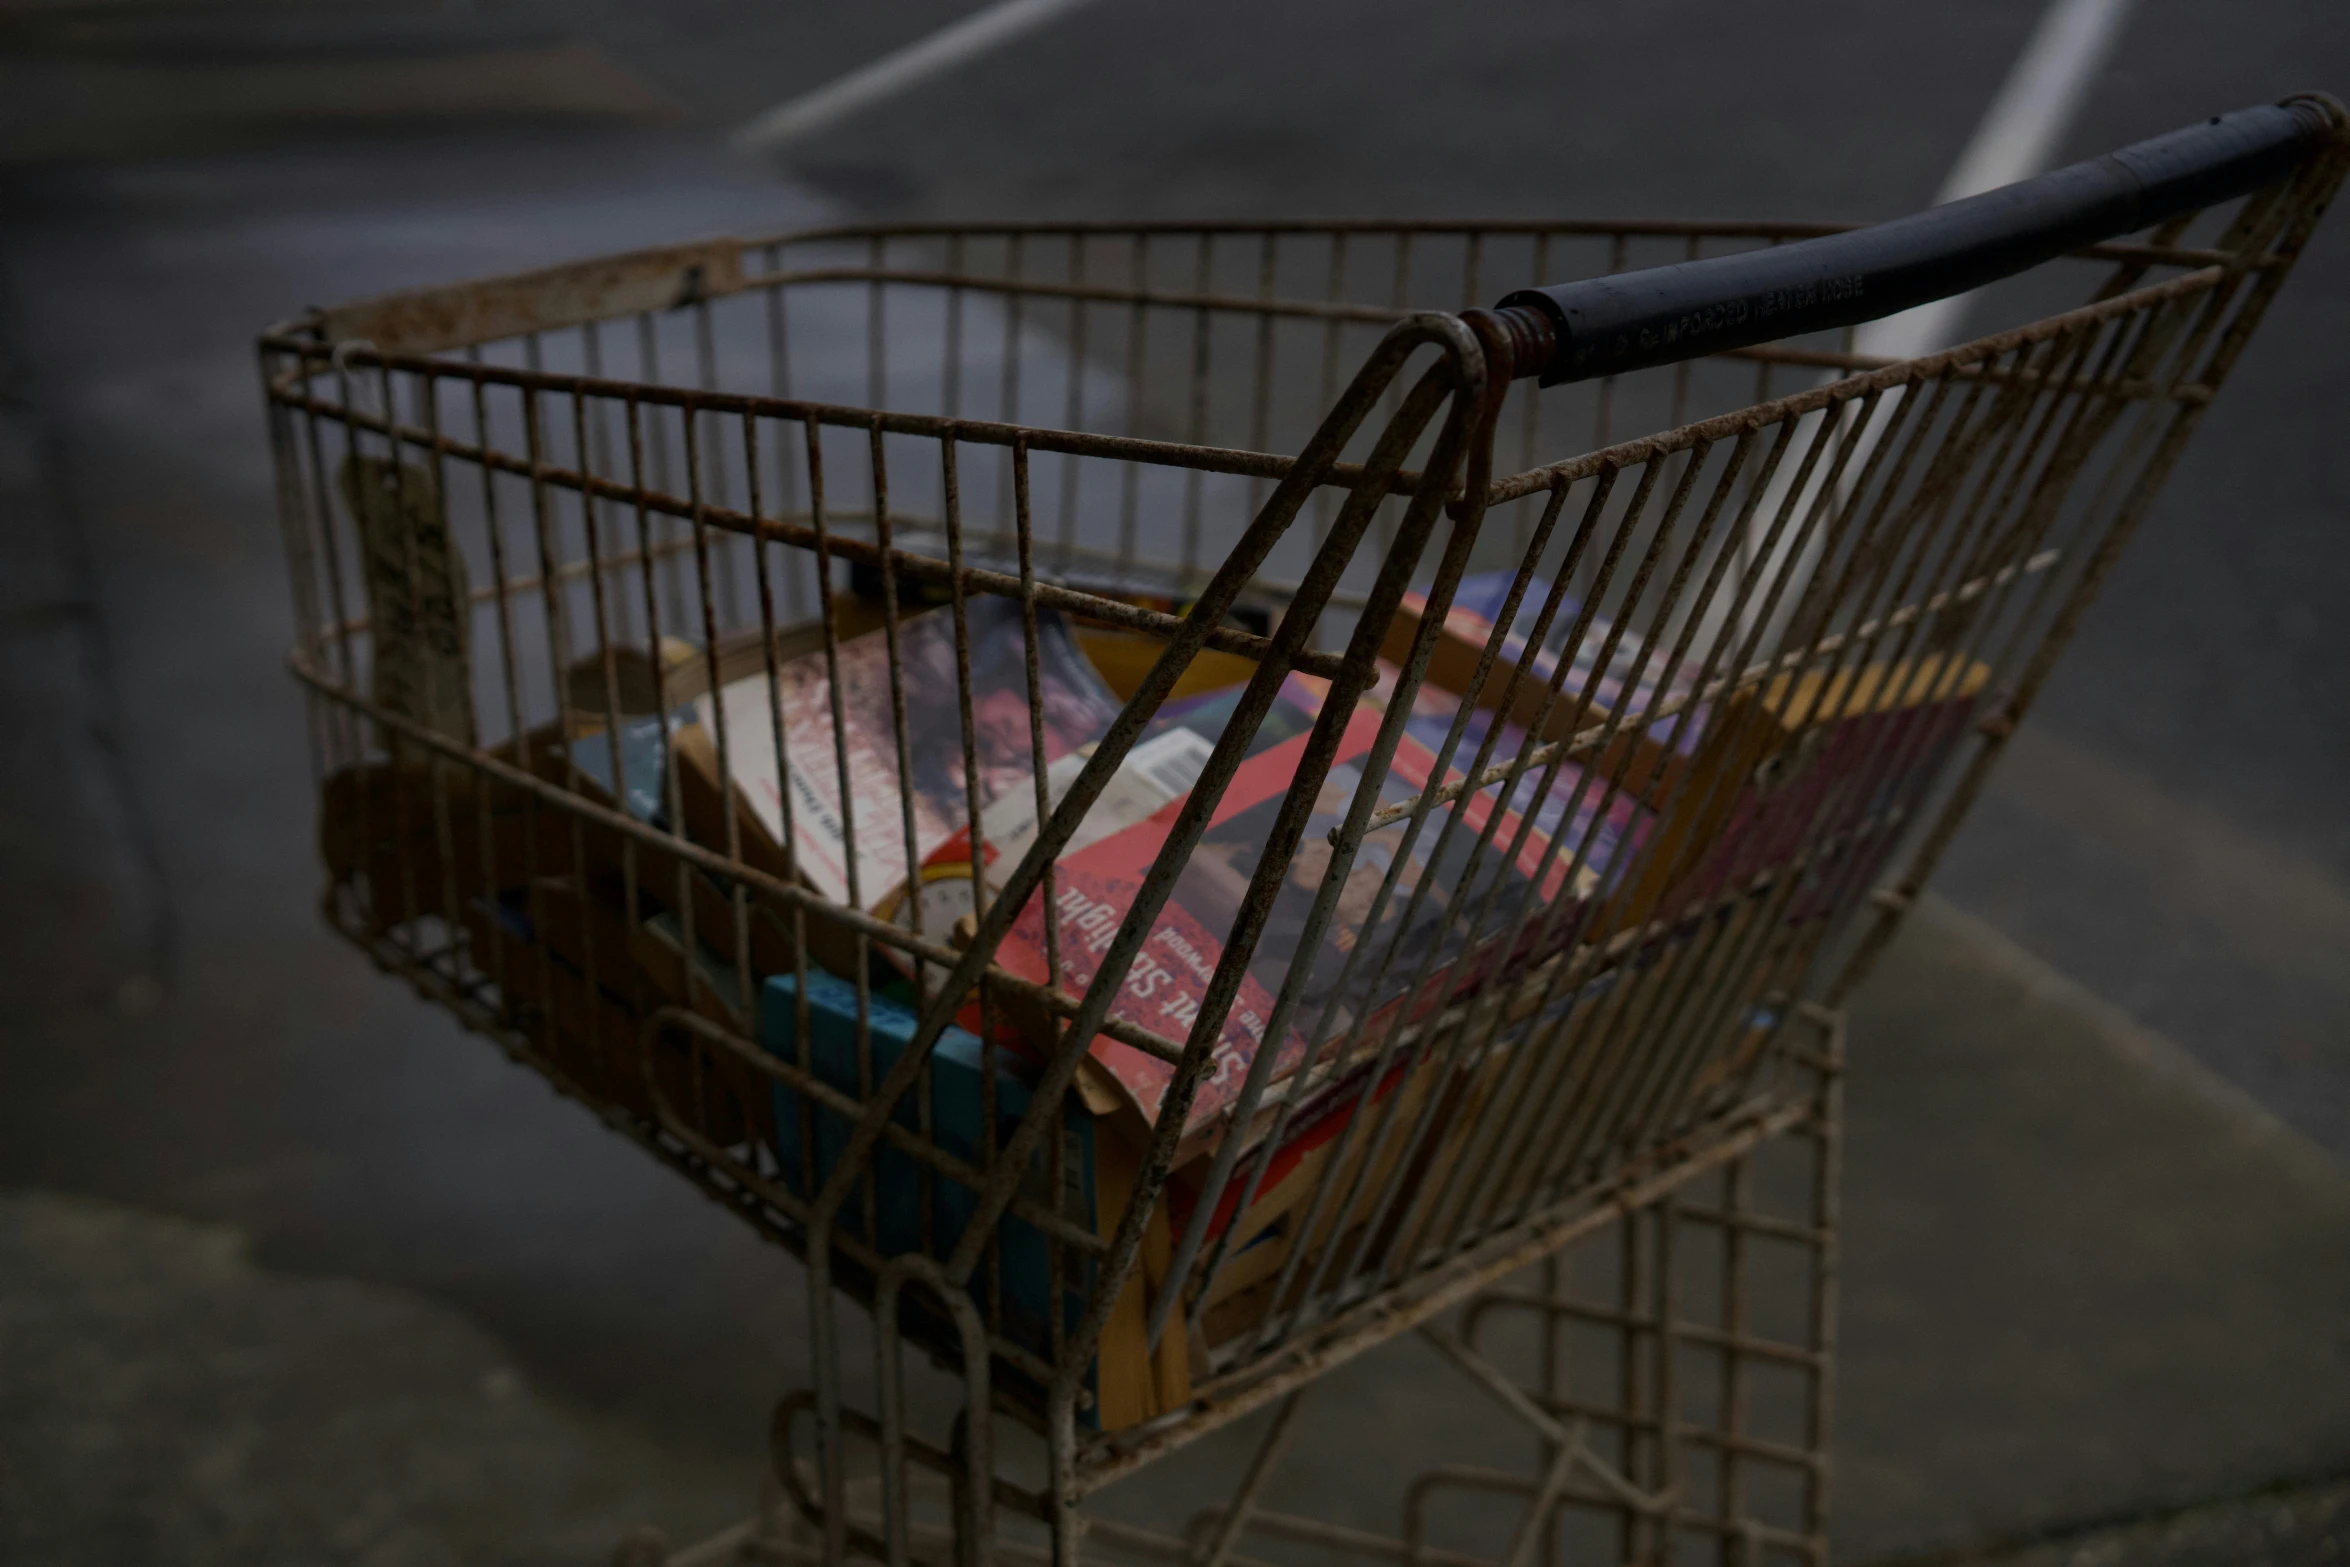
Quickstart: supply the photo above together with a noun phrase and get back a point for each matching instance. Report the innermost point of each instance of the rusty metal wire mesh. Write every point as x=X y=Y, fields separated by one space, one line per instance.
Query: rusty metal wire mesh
x=1549 y=918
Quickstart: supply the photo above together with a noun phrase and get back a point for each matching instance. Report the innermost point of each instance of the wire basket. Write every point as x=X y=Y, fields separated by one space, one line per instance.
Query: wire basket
x=882 y=717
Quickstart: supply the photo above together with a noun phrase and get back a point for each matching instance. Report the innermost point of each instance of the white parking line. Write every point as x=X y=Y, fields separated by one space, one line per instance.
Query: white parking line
x=2019 y=131
x=2026 y=119
x=982 y=32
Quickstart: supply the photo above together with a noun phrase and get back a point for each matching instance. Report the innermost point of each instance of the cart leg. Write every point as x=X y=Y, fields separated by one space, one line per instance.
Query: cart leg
x=1232 y=1522
x=1680 y=1378
x=1678 y=1388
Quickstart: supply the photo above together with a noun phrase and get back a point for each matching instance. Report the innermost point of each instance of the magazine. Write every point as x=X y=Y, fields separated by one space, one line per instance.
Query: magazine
x=1169 y=976
x=1160 y=768
x=883 y=788
x=1740 y=782
x=1648 y=758
x=627 y=678
x=1612 y=844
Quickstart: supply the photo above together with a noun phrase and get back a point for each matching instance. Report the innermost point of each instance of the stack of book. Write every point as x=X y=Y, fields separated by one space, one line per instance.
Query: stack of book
x=851 y=758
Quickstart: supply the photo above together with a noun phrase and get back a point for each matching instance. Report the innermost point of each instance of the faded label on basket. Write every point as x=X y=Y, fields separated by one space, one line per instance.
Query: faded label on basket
x=419 y=611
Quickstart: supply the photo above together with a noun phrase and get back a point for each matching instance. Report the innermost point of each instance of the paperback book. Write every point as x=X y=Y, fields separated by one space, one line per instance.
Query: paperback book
x=1453 y=909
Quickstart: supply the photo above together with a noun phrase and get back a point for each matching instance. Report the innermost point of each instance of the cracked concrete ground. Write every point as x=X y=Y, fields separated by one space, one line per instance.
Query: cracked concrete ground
x=2288 y=1526
x=2027 y=1353
x=168 y=1400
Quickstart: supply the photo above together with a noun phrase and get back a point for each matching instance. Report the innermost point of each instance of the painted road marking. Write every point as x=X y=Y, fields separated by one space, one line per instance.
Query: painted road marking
x=982 y=32
x=2020 y=131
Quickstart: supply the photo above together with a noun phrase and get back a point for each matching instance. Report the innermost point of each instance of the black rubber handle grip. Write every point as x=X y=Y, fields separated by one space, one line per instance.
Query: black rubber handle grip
x=1634 y=320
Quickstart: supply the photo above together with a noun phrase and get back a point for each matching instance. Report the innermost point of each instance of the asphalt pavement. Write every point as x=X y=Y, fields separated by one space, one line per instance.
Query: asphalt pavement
x=2171 y=837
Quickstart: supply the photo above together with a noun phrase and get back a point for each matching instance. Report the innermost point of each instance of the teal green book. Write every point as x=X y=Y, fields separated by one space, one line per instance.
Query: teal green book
x=903 y=1188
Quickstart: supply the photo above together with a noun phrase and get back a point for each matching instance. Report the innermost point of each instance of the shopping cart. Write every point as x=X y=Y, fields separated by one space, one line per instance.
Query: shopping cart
x=877 y=715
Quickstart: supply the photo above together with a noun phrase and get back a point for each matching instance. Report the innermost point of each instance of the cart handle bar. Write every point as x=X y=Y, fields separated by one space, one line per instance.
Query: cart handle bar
x=1662 y=315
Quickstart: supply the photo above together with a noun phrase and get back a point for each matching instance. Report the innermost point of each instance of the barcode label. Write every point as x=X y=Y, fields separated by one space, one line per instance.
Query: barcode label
x=1173 y=761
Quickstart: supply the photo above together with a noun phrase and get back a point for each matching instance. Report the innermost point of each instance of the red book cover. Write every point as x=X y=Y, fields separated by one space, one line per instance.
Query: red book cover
x=1169 y=976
